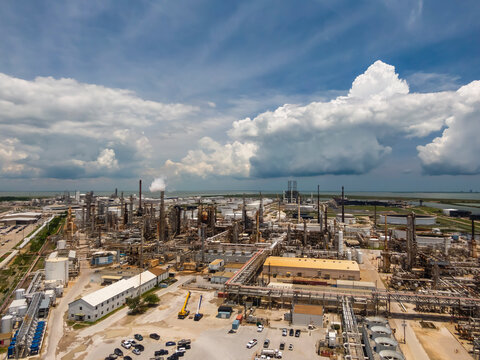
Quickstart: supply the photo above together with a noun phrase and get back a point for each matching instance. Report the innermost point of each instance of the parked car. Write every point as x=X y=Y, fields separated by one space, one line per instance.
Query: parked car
x=291 y=332
x=170 y=343
x=284 y=332
x=138 y=337
x=126 y=344
x=290 y=347
x=282 y=346
x=260 y=328
x=113 y=356
x=161 y=352
x=139 y=347
x=155 y=336
x=136 y=351
x=118 y=352
x=252 y=343
x=127 y=358
x=297 y=333
x=266 y=343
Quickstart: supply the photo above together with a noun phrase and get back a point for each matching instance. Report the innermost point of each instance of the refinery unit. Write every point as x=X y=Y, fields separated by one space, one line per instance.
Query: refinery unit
x=299 y=253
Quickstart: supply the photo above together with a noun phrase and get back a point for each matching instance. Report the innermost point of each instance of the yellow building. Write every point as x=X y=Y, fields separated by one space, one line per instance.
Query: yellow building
x=310 y=267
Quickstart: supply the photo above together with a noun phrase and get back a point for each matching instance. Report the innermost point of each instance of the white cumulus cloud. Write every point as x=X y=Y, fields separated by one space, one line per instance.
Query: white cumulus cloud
x=62 y=128
x=350 y=134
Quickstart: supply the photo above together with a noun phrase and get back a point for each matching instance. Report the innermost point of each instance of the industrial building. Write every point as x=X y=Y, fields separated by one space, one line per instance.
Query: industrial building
x=399 y=219
x=101 y=302
x=307 y=315
x=311 y=267
x=23 y=218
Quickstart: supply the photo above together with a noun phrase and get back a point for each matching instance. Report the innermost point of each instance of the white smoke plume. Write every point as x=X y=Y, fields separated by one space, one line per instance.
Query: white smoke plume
x=158 y=184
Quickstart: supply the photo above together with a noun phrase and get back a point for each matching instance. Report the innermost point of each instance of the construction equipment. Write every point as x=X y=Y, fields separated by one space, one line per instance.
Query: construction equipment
x=198 y=315
x=182 y=314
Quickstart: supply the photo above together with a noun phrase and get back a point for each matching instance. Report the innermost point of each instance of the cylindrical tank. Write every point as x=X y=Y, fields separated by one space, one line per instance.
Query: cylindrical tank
x=349 y=254
x=61 y=244
x=359 y=257
x=375 y=321
x=22 y=310
x=390 y=355
x=7 y=321
x=385 y=343
x=340 y=242
x=19 y=294
x=380 y=331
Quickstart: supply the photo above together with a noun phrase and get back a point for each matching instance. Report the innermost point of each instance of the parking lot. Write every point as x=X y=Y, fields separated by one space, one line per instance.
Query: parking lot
x=210 y=336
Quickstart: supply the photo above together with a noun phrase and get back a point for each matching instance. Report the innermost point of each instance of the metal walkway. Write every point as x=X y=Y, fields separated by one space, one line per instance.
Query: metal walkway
x=351 y=334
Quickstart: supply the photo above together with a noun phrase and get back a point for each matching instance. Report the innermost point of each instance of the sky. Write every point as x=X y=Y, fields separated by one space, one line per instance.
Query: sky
x=380 y=95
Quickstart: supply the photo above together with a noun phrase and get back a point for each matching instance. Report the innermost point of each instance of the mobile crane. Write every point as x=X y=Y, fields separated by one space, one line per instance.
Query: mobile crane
x=182 y=314
x=198 y=315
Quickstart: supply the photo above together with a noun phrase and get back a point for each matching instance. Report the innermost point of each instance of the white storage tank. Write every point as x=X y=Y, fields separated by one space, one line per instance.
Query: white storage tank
x=61 y=244
x=349 y=255
x=390 y=355
x=19 y=294
x=57 y=269
x=340 y=242
x=385 y=343
x=380 y=331
x=7 y=322
x=359 y=257
x=59 y=290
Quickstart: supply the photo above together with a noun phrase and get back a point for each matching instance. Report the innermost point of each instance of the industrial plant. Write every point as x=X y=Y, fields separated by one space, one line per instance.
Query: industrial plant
x=289 y=275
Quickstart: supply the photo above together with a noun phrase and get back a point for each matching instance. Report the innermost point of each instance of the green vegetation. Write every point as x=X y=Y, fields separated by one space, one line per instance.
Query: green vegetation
x=9 y=278
x=15 y=198
x=151 y=299
x=134 y=304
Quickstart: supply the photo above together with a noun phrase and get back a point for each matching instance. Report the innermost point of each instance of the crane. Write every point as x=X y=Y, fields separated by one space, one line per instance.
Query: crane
x=198 y=315
x=182 y=314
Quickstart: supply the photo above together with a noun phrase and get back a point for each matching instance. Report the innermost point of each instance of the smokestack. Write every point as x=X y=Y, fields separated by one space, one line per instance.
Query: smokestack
x=318 y=205
x=260 y=209
x=473 y=243
x=140 y=196
x=343 y=206
x=162 y=216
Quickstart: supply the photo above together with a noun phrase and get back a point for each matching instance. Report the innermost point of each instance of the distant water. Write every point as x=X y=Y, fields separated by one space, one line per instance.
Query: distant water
x=408 y=195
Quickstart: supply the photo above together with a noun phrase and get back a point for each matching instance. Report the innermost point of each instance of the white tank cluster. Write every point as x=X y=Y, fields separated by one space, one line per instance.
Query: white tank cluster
x=384 y=344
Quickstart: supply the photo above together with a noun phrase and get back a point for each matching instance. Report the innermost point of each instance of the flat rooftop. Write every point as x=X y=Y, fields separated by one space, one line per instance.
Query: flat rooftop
x=312 y=263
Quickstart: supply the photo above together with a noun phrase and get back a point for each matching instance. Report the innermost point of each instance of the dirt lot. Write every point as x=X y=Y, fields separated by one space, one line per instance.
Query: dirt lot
x=210 y=337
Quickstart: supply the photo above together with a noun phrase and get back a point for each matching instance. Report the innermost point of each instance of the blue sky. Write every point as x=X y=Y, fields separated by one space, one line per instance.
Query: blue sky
x=98 y=94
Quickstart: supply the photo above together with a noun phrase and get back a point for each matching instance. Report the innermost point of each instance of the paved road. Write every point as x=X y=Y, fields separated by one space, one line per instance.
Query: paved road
x=56 y=320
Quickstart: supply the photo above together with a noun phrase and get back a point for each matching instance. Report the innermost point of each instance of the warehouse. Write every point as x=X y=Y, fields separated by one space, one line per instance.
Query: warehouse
x=20 y=218
x=95 y=305
x=310 y=267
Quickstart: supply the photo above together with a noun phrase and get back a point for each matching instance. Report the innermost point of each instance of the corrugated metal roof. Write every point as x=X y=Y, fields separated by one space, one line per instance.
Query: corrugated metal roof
x=116 y=288
x=311 y=263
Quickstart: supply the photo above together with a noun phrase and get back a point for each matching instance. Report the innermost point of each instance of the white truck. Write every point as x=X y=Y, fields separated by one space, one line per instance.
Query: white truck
x=273 y=353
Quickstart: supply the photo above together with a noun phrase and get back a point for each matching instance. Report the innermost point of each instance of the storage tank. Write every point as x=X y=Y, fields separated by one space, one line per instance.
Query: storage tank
x=359 y=257
x=349 y=254
x=22 y=310
x=57 y=269
x=385 y=343
x=375 y=321
x=19 y=294
x=380 y=331
x=7 y=321
x=340 y=242
x=390 y=355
